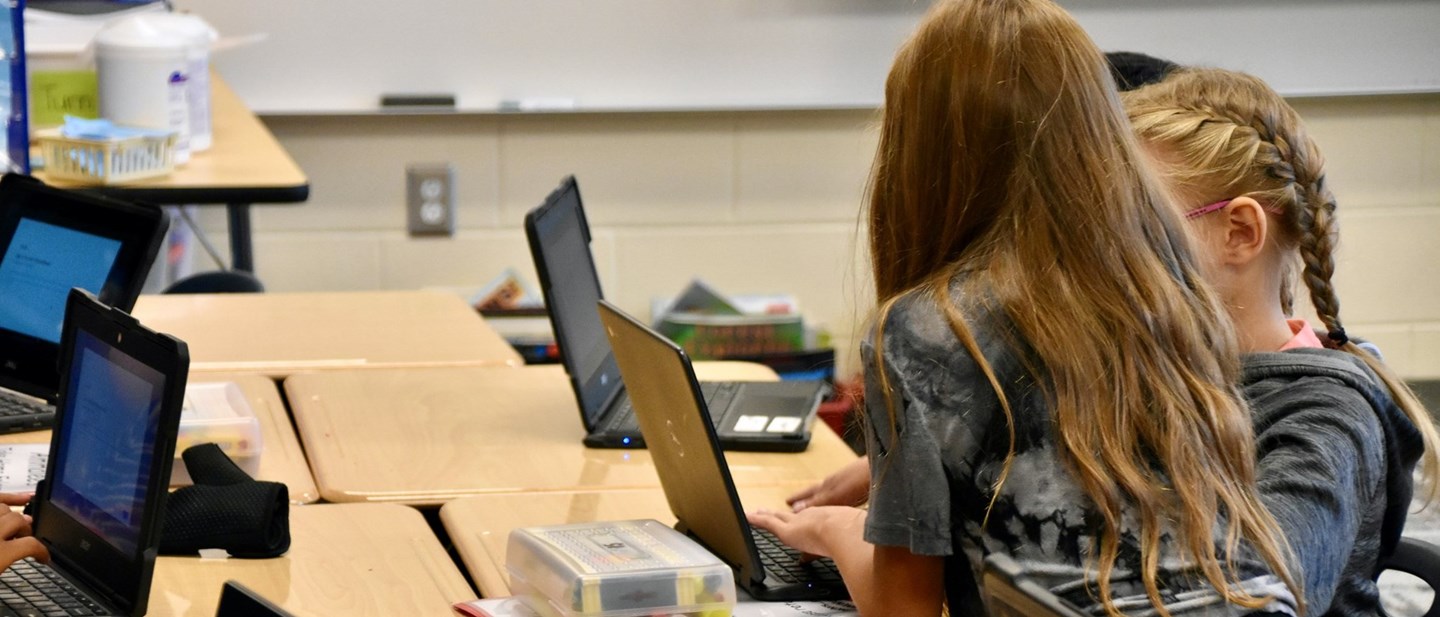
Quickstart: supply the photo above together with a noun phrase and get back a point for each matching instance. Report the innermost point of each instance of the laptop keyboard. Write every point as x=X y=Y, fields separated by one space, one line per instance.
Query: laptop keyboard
x=29 y=588
x=783 y=562
x=717 y=399
x=11 y=405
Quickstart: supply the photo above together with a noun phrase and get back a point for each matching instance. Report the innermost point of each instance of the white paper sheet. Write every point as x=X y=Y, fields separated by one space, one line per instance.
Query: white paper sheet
x=22 y=466
x=751 y=608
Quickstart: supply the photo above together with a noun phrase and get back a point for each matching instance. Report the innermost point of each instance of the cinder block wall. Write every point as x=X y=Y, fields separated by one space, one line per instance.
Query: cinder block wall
x=759 y=202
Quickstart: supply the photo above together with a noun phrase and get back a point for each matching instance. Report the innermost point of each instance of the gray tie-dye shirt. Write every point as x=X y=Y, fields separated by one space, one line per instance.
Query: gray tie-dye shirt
x=933 y=477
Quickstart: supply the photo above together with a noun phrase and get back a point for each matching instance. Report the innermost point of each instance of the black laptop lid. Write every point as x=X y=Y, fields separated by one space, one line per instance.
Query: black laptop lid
x=681 y=439
x=560 y=245
x=237 y=600
x=50 y=241
x=100 y=508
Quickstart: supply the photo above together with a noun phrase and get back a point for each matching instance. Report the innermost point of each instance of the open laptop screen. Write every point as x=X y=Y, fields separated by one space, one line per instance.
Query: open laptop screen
x=109 y=428
x=52 y=240
x=561 y=243
x=41 y=264
x=692 y=469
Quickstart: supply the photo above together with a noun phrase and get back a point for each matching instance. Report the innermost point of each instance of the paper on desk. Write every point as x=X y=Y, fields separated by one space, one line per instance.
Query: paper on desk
x=751 y=608
x=22 y=466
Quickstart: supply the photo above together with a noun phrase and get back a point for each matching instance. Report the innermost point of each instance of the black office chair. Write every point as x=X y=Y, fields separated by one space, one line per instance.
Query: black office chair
x=219 y=281
x=1421 y=560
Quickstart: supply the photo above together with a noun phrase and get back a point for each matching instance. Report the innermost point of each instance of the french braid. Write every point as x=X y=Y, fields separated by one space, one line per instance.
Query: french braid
x=1235 y=136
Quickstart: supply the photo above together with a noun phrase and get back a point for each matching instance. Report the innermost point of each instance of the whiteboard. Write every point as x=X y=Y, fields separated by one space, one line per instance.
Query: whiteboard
x=327 y=56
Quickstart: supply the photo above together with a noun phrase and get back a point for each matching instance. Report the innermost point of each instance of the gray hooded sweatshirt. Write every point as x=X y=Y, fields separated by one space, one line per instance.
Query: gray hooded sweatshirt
x=1336 y=457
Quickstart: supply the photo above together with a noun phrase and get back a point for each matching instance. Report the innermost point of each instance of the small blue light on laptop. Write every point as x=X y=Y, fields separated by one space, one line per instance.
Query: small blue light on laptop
x=625 y=440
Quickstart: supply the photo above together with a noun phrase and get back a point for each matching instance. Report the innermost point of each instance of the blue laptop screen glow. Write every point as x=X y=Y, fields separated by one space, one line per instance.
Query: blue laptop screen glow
x=107 y=432
x=43 y=262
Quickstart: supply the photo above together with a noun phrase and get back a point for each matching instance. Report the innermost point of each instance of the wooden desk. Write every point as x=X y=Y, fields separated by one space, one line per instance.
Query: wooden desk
x=350 y=559
x=282 y=460
x=480 y=525
x=244 y=166
x=278 y=334
x=427 y=436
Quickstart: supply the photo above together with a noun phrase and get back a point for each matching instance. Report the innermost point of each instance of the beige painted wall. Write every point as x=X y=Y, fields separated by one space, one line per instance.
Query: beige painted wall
x=761 y=202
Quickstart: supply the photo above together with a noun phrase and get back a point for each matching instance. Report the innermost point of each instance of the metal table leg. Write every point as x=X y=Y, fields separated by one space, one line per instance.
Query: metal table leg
x=242 y=256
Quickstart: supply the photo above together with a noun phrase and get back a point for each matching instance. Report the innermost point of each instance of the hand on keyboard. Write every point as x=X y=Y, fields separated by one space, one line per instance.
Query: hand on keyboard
x=810 y=530
x=15 y=540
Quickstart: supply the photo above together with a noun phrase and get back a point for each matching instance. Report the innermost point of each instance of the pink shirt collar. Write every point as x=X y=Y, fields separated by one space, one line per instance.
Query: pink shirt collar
x=1304 y=336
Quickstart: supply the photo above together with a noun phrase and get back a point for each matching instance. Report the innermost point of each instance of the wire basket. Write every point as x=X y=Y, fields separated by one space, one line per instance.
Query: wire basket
x=110 y=161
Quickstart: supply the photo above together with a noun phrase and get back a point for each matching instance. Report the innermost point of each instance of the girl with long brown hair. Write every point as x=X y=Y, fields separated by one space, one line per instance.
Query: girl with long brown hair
x=1339 y=433
x=1048 y=376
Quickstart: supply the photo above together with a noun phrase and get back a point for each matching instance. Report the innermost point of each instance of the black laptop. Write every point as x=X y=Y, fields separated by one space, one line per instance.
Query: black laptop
x=102 y=502
x=237 y=600
x=50 y=241
x=694 y=474
x=764 y=416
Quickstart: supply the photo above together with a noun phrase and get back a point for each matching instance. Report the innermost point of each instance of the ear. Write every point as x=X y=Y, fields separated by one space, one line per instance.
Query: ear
x=1246 y=229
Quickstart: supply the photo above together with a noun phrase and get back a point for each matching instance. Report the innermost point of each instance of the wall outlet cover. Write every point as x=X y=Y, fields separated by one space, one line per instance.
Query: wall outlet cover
x=430 y=199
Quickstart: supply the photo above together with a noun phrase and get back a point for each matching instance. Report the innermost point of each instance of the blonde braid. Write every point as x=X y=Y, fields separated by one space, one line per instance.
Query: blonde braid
x=1302 y=170
x=1318 y=242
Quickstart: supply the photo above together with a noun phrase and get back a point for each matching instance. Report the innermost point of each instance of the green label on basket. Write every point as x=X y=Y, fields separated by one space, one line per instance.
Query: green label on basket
x=54 y=94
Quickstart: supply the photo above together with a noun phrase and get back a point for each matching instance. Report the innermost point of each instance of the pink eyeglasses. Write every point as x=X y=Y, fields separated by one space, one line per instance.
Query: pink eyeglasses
x=1204 y=210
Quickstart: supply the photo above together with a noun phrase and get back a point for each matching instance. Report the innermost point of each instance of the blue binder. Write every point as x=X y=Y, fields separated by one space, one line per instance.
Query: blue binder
x=14 y=104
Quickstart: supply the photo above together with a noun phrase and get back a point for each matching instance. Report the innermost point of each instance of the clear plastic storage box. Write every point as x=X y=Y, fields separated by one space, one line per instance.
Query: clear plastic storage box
x=617 y=569
x=218 y=413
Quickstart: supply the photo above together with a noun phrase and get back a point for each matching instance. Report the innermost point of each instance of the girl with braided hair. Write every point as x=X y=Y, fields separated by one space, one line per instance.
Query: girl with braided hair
x=1338 y=433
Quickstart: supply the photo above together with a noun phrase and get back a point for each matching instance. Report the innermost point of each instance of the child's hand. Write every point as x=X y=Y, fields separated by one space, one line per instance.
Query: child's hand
x=810 y=530
x=848 y=487
x=15 y=540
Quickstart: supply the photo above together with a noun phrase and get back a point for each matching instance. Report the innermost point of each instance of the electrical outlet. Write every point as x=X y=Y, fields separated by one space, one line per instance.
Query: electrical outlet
x=430 y=199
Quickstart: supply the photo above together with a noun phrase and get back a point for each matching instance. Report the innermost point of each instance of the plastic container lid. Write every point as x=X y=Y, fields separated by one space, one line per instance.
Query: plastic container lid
x=618 y=569
x=140 y=33
x=197 y=33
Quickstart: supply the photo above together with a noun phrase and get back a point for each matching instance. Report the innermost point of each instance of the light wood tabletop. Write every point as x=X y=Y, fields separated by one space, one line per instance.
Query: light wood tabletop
x=282 y=459
x=344 y=559
x=425 y=436
x=278 y=334
x=480 y=525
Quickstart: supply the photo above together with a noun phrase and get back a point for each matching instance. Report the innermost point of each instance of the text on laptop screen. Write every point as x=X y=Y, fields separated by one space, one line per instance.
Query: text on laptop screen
x=574 y=291
x=108 y=433
x=37 y=271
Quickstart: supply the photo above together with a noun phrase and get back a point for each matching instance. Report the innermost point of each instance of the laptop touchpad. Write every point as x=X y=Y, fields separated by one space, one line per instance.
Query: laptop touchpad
x=759 y=413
